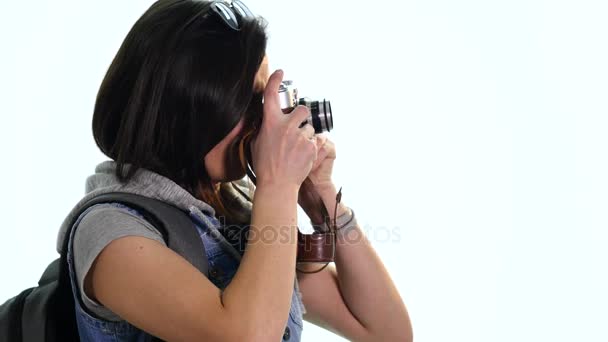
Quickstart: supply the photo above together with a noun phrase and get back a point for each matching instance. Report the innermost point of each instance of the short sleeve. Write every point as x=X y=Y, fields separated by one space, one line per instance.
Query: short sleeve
x=100 y=226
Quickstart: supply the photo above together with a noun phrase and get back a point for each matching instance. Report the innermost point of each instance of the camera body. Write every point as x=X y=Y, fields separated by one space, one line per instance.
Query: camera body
x=320 y=118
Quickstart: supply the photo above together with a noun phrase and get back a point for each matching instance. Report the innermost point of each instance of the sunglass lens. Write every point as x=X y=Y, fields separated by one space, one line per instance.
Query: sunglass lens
x=226 y=13
x=242 y=9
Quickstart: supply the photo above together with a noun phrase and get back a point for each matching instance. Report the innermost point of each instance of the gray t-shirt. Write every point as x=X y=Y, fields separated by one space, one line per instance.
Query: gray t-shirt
x=106 y=223
x=101 y=225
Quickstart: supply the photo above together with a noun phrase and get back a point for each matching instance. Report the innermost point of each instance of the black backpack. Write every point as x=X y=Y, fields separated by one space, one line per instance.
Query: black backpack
x=46 y=312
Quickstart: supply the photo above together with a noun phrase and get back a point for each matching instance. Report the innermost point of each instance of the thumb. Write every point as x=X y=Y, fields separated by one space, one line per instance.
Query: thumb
x=272 y=104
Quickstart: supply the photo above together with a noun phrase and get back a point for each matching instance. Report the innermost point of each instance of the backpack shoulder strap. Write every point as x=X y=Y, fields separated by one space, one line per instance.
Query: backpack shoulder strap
x=48 y=310
x=175 y=225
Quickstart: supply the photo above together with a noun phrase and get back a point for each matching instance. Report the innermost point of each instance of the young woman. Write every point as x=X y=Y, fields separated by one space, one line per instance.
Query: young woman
x=181 y=97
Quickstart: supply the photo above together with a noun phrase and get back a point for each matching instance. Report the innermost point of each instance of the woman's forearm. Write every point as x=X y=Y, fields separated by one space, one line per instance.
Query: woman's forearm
x=366 y=286
x=368 y=290
x=261 y=289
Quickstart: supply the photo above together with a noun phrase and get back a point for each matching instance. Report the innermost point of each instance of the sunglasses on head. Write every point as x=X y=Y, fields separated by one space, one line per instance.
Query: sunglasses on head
x=231 y=12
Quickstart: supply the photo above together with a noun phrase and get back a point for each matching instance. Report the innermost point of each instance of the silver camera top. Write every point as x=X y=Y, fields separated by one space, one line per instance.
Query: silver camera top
x=288 y=95
x=321 y=117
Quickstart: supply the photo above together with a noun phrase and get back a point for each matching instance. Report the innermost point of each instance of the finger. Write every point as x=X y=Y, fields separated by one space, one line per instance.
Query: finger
x=314 y=149
x=272 y=103
x=321 y=155
x=299 y=115
x=330 y=147
x=309 y=132
x=322 y=145
x=321 y=140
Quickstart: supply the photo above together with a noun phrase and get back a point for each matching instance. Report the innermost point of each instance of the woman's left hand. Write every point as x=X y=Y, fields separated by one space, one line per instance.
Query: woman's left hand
x=321 y=183
x=322 y=168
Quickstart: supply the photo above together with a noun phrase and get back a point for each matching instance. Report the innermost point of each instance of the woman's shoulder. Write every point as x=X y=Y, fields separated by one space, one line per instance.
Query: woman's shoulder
x=97 y=227
x=112 y=220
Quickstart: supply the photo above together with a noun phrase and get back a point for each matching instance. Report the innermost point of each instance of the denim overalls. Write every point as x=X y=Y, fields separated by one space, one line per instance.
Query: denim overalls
x=222 y=267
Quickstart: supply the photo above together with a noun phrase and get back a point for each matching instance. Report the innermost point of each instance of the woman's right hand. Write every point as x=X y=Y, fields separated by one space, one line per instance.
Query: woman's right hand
x=283 y=153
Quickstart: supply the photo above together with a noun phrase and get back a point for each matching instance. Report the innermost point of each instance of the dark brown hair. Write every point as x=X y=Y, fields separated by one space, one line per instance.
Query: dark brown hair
x=180 y=82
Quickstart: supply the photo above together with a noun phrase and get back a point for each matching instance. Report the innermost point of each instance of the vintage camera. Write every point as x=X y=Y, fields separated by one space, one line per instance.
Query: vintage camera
x=320 y=111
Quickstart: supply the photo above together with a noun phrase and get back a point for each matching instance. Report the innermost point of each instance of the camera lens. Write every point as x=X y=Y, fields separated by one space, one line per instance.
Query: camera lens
x=321 y=117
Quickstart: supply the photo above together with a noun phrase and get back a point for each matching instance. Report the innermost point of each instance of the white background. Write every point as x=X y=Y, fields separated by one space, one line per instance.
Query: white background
x=474 y=132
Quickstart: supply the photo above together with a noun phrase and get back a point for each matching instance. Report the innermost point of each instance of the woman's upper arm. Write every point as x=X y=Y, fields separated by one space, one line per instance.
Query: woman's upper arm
x=155 y=289
x=123 y=264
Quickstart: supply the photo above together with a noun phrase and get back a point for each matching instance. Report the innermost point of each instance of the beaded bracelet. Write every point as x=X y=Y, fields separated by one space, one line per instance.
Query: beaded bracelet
x=349 y=225
x=344 y=223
